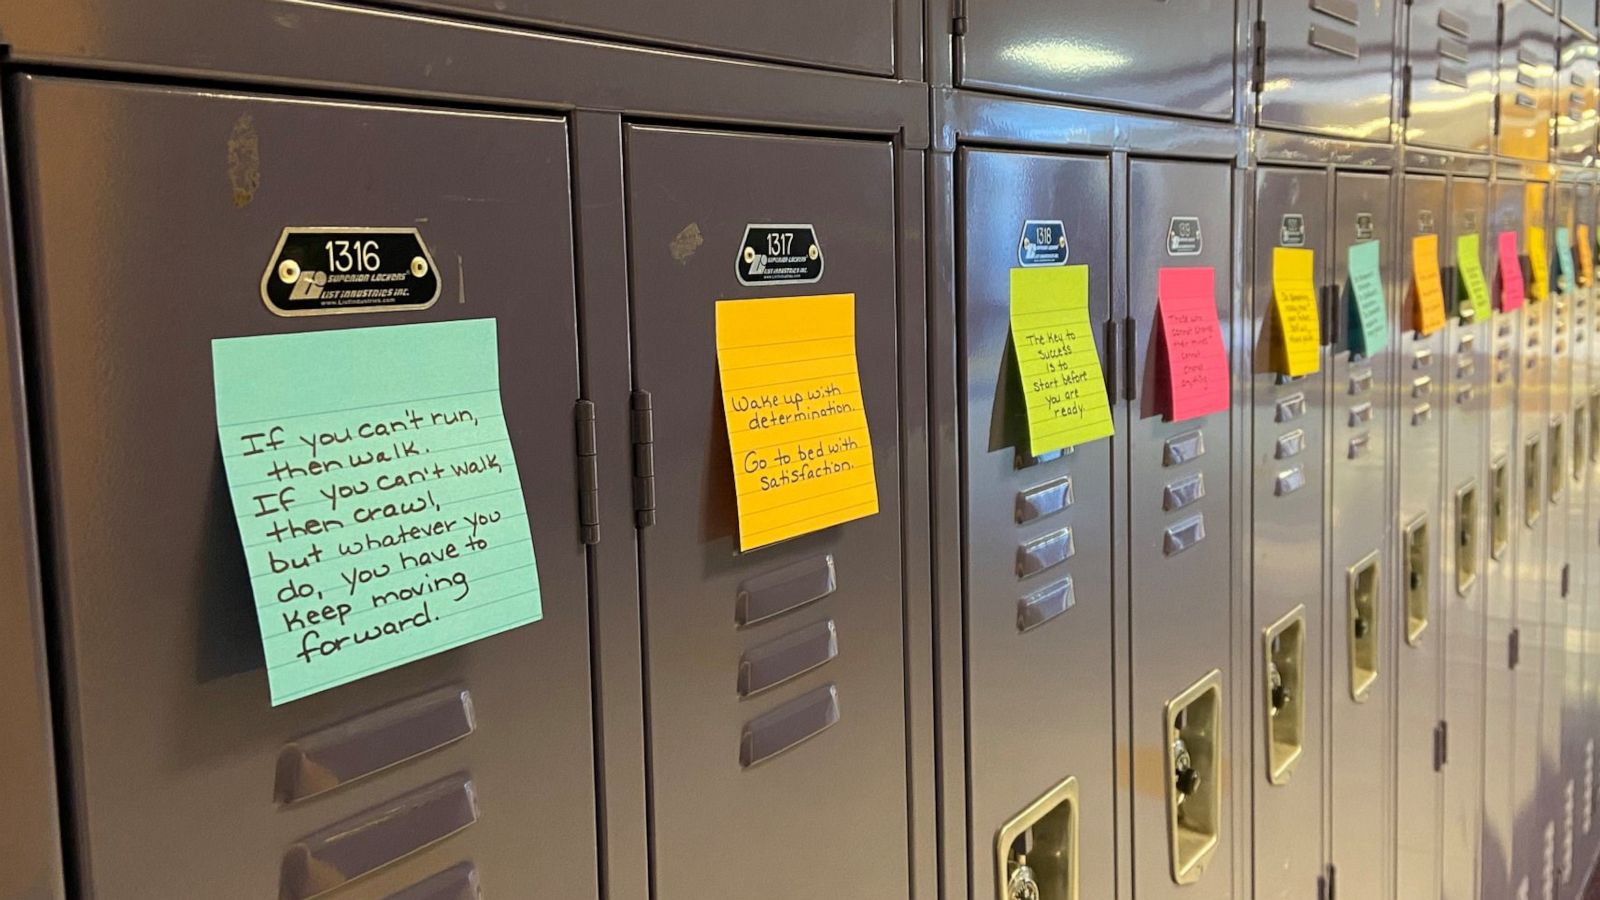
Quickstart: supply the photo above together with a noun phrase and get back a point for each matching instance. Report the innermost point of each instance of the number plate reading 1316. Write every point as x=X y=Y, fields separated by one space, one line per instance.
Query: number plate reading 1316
x=324 y=271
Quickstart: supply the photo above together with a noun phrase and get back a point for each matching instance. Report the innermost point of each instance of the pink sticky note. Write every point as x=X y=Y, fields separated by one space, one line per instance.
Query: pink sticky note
x=1191 y=337
x=1510 y=273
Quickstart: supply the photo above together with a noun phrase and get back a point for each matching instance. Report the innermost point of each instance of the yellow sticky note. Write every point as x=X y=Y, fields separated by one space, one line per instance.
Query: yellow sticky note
x=797 y=424
x=1539 y=261
x=1062 y=384
x=1585 y=257
x=1430 y=290
x=1298 y=350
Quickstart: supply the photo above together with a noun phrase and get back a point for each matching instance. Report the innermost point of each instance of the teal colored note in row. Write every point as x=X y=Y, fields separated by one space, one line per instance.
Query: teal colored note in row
x=1564 y=258
x=1369 y=313
x=376 y=494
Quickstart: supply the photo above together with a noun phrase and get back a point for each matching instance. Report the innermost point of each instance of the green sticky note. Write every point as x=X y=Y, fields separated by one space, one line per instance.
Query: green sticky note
x=1564 y=258
x=376 y=494
x=1474 y=287
x=1369 y=313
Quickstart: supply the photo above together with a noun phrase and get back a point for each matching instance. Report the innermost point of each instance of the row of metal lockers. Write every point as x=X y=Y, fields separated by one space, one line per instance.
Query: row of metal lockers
x=1336 y=635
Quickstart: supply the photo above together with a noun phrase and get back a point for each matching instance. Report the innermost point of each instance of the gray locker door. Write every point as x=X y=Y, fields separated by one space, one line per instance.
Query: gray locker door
x=1360 y=528
x=1527 y=78
x=1450 y=62
x=1573 y=858
x=1039 y=688
x=1504 y=531
x=733 y=816
x=1584 y=620
x=1140 y=54
x=1575 y=93
x=174 y=744
x=1464 y=531
x=1558 y=439
x=1288 y=458
x=857 y=35
x=1418 y=557
x=1329 y=67
x=1180 y=579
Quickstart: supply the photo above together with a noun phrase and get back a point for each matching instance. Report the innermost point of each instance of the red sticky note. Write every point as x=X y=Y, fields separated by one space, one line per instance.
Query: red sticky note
x=1510 y=272
x=1195 y=360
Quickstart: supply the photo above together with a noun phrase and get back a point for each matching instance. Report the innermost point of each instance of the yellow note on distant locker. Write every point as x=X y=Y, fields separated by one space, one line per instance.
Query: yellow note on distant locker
x=1298 y=350
x=1062 y=383
x=797 y=422
x=1430 y=290
x=1539 y=262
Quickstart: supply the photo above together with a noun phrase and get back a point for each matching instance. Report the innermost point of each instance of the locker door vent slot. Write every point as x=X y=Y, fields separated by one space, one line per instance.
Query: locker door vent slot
x=1044 y=500
x=1532 y=495
x=1500 y=508
x=1361 y=587
x=365 y=745
x=1450 y=48
x=1416 y=543
x=1283 y=650
x=788 y=726
x=1194 y=799
x=379 y=837
x=1041 y=606
x=459 y=882
x=1044 y=553
x=1466 y=537
x=1455 y=23
x=1343 y=10
x=1184 y=492
x=789 y=588
x=787 y=658
x=1183 y=448
x=1036 y=853
x=1184 y=535
x=1324 y=38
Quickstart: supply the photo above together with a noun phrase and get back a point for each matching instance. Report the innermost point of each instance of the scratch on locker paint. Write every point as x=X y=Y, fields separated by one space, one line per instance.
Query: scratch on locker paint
x=461 y=280
x=686 y=243
x=244 y=160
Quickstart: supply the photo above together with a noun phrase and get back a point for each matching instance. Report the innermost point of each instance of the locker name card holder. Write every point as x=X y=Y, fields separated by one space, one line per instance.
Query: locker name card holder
x=329 y=271
x=1189 y=349
x=1369 y=310
x=380 y=505
x=1429 y=313
x=1474 y=285
x=1062 y=383
x=1298 y=350
x=1510 y=272
x=779 y=254
x=1043 y=243
x=795 y=414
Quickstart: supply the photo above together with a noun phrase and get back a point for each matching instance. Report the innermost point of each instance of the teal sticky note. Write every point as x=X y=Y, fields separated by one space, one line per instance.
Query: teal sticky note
x=1564 y=258
x=376 y=494
x=1369 y=313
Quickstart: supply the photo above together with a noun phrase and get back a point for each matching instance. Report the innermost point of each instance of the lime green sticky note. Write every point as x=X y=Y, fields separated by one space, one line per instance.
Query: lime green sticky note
x=1568 y=268
x=1062 y=384
x=376 y=494
x=1369 y=313
x=1469 y=262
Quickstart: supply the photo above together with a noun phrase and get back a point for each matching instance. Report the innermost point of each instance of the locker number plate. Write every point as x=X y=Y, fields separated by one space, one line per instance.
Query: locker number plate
x=328 y=271
x=779 y=254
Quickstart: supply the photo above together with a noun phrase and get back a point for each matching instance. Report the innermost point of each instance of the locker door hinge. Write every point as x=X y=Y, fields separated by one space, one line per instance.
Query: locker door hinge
x=1566 y=579
x=958 y=17
x=1405 y=92
x=1328 y=885
x=1499 y=41
x=588 y=475
x=1258 y=62
x=1441 y=745
x=643 y=427
x=1515 y=649
x=1113 y=371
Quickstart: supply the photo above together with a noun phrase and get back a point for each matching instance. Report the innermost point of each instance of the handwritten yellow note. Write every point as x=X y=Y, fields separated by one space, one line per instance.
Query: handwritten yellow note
x=1430 y=290
x=1062 y=382
x=797 y=426
x=1539 y=261
x=1298 y=350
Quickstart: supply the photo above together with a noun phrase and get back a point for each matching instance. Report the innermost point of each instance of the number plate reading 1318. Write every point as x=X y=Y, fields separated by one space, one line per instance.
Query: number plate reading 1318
x=325 y=271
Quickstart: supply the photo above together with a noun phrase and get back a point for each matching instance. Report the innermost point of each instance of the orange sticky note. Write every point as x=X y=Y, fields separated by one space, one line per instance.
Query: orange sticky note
x=797 y=426
x=1298 y=350
x=1585 y=257
x=1430 y=290
x=1510 y=272
x=1193 y=355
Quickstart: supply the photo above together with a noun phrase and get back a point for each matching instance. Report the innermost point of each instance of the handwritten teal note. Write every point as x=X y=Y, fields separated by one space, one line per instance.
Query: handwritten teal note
x=376 y=494
x=1564 y=258
x=1369 y=313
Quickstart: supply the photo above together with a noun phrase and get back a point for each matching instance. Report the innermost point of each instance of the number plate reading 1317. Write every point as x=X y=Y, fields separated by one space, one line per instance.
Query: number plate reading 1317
x=325 y=271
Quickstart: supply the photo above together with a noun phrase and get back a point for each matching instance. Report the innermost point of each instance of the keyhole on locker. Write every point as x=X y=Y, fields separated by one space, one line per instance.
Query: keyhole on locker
x=1361 y=626
x=1184 y=776
x=1276 y=690
x=1022 y=885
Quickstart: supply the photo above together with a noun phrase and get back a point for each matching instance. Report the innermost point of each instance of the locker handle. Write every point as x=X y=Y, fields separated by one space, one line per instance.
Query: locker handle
x=356 y=748
x=459 y=882
x=1113 y=344
x=379 y=837
x=1130 y=372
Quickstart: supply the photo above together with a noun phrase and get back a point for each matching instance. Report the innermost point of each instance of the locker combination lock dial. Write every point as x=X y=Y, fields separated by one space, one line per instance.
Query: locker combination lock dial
x=1036 y=853
x=1194 y=800
x=1283 y=647
x=1361 y=585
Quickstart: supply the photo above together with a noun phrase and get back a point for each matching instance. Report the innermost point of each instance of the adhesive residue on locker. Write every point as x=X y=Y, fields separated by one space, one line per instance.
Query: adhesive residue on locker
x=797 y=429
